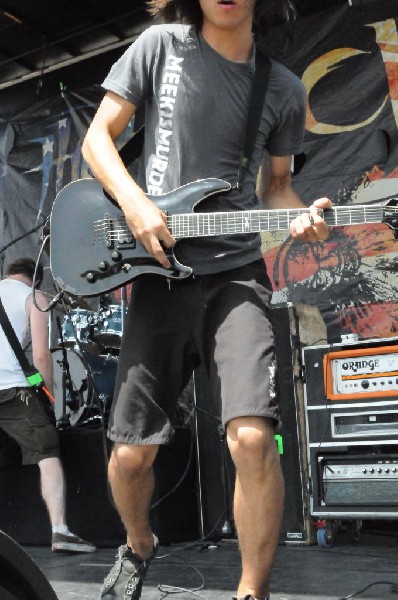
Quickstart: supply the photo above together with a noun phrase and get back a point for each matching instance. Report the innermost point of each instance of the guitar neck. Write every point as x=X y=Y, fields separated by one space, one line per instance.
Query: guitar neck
x=253 y=221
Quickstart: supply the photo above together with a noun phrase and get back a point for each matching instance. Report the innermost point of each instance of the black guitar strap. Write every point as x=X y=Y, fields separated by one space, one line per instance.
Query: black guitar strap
x=133 y=148
x=33 y=377
x=260 y=84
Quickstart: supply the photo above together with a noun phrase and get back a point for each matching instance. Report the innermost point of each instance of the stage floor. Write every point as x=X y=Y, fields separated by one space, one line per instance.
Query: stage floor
x=300 y=572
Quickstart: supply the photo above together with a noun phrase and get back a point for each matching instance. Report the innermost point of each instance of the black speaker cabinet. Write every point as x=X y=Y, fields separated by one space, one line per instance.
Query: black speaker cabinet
x=90 y=511
x=217 y=480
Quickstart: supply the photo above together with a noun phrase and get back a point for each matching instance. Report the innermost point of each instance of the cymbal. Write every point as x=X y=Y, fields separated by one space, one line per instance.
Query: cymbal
x=70 y=300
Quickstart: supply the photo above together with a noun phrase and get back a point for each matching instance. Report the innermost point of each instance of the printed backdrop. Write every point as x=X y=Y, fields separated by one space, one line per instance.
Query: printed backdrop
x=347 y=58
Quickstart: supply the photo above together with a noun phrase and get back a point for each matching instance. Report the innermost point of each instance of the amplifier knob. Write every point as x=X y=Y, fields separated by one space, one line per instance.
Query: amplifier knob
x=394 y=470
x=371 y=470
x=365 y=384
x=379 y=470
x=387 y=470
x=364 y=471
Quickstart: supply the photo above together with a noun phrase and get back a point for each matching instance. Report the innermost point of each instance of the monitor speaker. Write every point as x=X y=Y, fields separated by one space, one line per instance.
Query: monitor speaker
x=20 y=576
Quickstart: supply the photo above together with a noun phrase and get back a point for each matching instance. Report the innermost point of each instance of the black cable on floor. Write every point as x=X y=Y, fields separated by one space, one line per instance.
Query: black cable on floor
x=394 y=589
x=172 y=589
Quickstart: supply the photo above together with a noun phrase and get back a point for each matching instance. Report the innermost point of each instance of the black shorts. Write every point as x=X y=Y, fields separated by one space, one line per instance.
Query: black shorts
x=220 y=321
x=25 y=418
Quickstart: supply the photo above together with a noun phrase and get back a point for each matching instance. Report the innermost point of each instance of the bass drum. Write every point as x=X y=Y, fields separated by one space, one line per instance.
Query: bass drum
x=87 y=373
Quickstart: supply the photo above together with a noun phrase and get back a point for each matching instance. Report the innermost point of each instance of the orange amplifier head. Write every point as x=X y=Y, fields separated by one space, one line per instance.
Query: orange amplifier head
x=361 y=373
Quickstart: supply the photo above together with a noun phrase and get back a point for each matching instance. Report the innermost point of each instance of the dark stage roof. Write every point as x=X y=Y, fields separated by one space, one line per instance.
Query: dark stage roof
x=41 y=36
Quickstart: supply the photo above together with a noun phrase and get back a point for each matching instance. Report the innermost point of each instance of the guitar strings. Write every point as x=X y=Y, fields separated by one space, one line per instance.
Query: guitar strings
x=207 y=224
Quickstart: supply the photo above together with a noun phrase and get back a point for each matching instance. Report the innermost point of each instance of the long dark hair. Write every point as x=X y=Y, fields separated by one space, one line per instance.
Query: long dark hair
x=266 y=12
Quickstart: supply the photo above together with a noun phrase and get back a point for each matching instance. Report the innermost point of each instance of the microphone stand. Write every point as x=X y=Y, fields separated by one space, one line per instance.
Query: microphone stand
x=226 y=529
x=64 y=421
x=123 y=305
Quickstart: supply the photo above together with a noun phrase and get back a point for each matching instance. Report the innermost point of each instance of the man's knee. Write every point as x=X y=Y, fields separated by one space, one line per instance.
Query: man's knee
x=251 y=440
x=132 y=461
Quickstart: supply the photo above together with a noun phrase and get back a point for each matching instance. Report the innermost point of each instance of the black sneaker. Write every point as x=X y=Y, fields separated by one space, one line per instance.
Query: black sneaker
x=126 y=577
x=70 y=543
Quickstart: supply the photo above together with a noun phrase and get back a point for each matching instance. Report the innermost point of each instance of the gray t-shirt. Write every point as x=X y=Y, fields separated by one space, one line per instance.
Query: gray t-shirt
x=196 y=103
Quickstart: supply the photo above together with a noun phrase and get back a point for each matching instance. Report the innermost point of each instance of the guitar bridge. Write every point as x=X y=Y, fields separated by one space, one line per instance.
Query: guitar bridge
x=114 y=233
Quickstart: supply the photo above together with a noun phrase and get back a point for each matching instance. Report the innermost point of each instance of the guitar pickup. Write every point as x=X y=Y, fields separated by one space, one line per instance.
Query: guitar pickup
x=122 y=235
x=126 y=244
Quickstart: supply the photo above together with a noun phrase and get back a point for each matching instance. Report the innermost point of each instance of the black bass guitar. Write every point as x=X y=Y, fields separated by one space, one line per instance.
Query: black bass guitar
x=93 y=251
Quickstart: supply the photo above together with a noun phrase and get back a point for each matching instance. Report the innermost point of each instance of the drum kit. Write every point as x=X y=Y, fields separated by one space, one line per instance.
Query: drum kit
x=85 y=362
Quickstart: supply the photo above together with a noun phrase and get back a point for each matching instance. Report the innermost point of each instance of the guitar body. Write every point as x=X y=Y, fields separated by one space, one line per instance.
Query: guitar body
x=88 y=258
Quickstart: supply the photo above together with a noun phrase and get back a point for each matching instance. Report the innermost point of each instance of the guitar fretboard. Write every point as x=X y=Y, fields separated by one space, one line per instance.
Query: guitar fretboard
x=189 y=225
x=228 y=223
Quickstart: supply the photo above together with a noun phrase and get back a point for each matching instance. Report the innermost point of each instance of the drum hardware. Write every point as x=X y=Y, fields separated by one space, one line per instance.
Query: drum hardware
x=110 y=322
x=85 y=382
x=109 y=329
x=78 y=330
x=67 y=299
x=83 y=375
x=63 y=420
x=95 y=332
x=85 y=363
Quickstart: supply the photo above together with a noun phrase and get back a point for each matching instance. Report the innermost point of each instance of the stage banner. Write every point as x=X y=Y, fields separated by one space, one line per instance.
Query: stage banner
x=40 y=153
x=347 y=58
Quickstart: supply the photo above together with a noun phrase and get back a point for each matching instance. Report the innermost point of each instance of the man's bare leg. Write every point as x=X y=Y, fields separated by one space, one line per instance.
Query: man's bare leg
x=52 y=483
x=132 y=483
x=258 y=500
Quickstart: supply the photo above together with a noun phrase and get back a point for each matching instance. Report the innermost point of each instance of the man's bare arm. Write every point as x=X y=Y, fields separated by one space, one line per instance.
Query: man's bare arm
x=146 y=221
x=275 y=191
x=41 y=354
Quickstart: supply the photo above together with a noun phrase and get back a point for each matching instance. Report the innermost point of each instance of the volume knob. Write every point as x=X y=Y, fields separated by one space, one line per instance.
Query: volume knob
x=91 y=277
